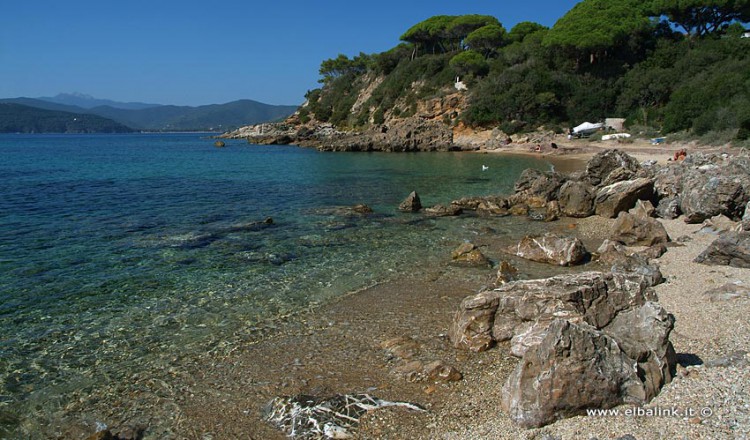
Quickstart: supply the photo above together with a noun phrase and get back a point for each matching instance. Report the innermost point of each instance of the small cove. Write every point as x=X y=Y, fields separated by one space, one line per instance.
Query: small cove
x=127 y=258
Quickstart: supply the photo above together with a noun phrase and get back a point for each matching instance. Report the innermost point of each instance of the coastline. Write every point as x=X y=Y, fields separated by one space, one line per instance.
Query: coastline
x=337 y=349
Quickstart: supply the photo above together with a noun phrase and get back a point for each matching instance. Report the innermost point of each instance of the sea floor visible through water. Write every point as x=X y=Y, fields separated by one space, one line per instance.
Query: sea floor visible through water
x=141 y=288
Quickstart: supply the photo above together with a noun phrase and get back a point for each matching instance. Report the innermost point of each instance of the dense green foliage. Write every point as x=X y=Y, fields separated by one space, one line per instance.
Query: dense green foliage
x=601 y=59
x=17 y=118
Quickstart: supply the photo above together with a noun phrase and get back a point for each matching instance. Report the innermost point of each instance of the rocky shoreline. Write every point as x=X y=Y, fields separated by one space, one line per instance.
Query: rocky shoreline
x=666 y=333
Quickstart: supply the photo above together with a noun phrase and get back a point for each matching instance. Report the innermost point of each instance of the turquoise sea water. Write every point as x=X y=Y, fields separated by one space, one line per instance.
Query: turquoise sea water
x=122 y=254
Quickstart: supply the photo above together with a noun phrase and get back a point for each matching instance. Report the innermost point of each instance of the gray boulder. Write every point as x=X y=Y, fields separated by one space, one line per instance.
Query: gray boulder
x=640 y=266
x=621 y=196
x=412 y=203
x=576 y=199
x=599 y=167
x=538 y=187
x=746 y=218
x=638 y=230
x=573 y=368
x=553 y=249
x=710 y=192
x=643 y=334
x=730 y=249
x=668 y=208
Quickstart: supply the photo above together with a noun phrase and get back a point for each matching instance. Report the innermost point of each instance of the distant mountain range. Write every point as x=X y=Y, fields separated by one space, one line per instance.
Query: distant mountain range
x=17 y=118
x=156 y=117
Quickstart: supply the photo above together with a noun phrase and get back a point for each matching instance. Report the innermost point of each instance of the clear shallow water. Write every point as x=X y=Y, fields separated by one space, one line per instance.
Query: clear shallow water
x=127 y=254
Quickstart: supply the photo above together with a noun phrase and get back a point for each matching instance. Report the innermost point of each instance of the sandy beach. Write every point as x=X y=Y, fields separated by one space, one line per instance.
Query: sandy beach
x=342 y=348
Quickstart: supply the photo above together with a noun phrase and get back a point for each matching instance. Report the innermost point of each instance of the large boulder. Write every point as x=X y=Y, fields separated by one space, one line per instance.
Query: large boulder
x=730 y=249
x=553 y=249
x=576 y=199
x=643 y=334
x=526 y=307
x=575 y=367
x=621 y=196
x=640 y=230
x=709 y=192
x=412 y=203
x=536 y=185
x=599 y=167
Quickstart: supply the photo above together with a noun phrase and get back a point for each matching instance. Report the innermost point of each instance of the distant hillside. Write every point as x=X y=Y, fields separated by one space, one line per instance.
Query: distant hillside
x=17 y=118
x=88 y=102
x=217 y=117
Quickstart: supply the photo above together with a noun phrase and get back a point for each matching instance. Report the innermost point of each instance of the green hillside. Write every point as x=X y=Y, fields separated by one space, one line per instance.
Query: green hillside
x=666 y=66
x=17 y=118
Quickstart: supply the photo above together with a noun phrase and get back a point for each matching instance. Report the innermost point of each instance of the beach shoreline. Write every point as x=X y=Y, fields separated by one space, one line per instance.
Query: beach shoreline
x=340 y=348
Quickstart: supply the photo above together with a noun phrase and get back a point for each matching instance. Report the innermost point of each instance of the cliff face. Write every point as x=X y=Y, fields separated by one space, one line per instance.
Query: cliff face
x=425 y=125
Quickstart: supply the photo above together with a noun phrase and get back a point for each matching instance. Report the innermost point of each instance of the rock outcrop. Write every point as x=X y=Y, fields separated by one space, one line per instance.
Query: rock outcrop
x=409 y=134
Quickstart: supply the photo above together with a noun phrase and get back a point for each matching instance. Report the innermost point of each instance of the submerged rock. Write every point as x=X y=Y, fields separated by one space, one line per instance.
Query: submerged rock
x=467 y=254
x=444 y=211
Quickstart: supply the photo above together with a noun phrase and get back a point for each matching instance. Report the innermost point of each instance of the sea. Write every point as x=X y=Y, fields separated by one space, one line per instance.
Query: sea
x=125 y=255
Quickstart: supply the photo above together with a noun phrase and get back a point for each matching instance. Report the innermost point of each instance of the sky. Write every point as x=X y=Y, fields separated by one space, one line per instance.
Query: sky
x=210 y=52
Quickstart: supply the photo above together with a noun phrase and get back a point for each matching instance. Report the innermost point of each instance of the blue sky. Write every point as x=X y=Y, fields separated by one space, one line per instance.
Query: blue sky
x=198 y=52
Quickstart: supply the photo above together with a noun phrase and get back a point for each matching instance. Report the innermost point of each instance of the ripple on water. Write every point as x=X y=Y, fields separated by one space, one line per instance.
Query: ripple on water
x=124 y=263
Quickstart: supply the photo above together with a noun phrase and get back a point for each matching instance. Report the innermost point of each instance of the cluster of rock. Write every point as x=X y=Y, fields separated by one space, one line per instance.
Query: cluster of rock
x=592 y=339
x=409 y=134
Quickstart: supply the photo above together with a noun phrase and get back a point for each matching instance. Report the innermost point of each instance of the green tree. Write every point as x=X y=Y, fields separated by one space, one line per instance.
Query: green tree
x=463 y=25
x=430 y=34
x=701 y=17
x=595 y=27
x=341 y=65
x=469 y=62
x=523 y=29
x=486 y=39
